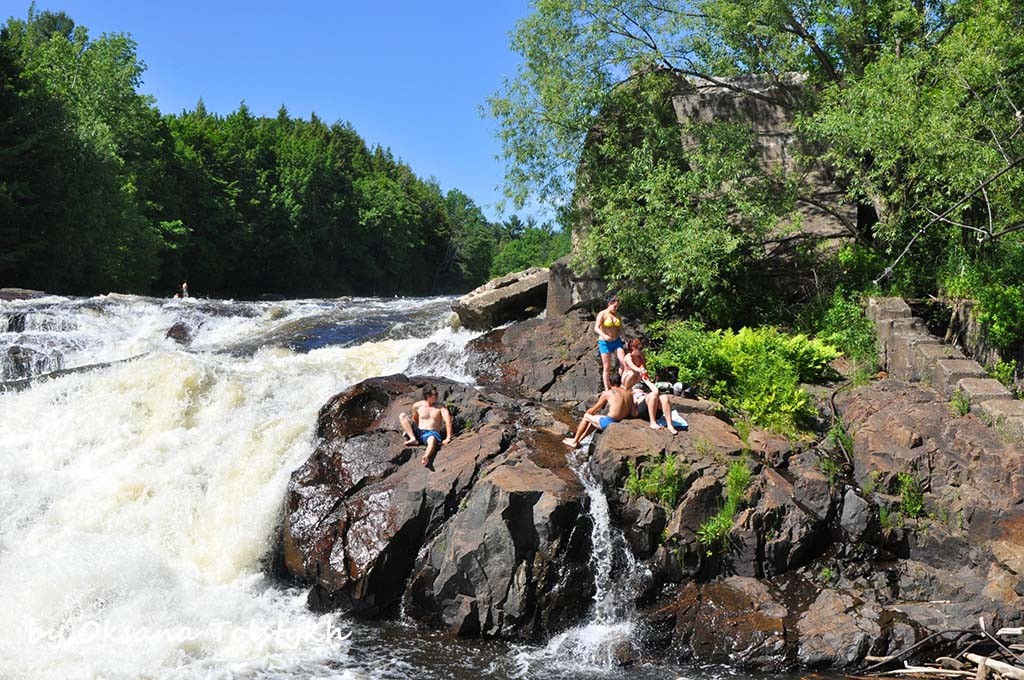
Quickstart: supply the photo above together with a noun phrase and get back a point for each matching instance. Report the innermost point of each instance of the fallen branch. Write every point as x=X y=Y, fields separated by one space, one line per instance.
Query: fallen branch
x=1005 y=669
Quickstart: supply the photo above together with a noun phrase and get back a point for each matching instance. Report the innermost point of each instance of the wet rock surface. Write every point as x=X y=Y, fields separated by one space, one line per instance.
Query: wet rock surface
x=824 y=564
x=487 y=534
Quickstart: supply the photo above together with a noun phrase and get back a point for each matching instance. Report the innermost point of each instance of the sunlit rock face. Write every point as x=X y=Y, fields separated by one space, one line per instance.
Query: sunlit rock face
x=490 y=539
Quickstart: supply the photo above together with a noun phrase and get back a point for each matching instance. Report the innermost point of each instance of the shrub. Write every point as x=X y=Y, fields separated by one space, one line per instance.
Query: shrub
x=960 y=403
x=1004 y=371
x=845 y=326
x=767 y=368
x=715 y=531
x=911 y=496
x=694 y=350
x=661 y=482
x=757 y=371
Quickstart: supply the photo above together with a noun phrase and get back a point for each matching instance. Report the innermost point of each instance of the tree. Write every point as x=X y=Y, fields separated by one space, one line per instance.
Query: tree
x=916 y=101
x=532 y=246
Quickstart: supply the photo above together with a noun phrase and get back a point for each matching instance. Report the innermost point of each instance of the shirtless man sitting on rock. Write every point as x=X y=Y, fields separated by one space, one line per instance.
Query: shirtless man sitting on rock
x=424 y=427
x=620 y=406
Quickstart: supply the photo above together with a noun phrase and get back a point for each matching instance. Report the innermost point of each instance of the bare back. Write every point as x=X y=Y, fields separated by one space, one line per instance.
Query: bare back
x=620 y=403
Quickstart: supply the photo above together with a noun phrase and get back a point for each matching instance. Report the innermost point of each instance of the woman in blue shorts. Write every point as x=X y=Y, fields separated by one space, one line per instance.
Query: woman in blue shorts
x=608 y=327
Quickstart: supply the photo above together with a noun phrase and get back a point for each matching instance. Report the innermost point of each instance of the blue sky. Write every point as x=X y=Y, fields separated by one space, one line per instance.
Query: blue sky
x=408 y=75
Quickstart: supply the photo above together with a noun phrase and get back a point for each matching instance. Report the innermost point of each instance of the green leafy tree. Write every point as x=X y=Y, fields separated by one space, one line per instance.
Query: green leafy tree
x=916 y=103
x=531 y=246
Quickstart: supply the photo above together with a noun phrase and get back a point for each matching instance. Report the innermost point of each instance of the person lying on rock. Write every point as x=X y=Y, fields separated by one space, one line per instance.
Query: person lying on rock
x=424 y=426
x=646 y=397
x=619 y=406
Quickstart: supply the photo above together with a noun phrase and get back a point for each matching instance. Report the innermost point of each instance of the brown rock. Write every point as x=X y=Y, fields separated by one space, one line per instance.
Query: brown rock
x=837 y=630
x=735 y=621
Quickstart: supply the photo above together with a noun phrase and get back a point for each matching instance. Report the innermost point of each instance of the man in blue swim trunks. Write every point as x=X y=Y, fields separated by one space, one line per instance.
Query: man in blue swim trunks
x=620 y=405
x=424 y=427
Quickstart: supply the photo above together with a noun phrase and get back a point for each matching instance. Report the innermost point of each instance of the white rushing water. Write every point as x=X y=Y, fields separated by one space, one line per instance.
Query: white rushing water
x=139 y=501
x=590 y=649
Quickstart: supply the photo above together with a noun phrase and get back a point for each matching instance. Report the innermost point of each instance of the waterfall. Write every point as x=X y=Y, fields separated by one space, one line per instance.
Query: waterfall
x=592 y=649
x=140 y=501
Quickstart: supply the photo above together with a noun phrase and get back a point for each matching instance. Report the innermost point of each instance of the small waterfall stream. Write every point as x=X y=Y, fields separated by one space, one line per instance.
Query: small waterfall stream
x=593 y=649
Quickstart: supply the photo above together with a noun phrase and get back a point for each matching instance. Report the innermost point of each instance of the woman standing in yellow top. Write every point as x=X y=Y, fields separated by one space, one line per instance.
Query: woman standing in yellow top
x=608 y=327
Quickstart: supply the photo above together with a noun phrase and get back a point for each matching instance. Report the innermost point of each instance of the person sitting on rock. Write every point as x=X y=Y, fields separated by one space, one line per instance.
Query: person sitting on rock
x=645 y=393
x=608 y=327
x=619 y=406
x=424 y=426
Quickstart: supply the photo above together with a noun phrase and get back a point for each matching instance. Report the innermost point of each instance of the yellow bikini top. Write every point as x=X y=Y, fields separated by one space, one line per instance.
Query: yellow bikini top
x=610 y=321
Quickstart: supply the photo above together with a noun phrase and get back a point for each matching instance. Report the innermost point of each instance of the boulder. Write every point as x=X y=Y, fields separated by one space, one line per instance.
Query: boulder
x=20 y=294
x=19 y=362
x=737 y=621
x=568 y=290
x=512 y=297
x=837 y=630
x=16 y=323
x=498 y=520
x=180 y=333
x=513 y=562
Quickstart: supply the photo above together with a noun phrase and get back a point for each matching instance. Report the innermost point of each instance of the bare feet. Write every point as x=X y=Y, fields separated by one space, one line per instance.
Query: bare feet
x=425 y=459
x=409 y=442
x=655 y=426
x=672 y=429
x=569 y=441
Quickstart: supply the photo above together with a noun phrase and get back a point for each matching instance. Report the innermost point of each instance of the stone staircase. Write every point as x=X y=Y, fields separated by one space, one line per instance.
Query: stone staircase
x=907 y=351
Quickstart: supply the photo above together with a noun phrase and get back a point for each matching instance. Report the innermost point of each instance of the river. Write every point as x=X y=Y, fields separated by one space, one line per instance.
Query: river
x=141 y=489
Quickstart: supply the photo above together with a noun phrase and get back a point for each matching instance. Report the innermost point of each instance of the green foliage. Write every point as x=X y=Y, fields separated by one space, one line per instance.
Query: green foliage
x=991 y=276
x=676 y=225
x=960 y=403
x=911 y=496
x=839 y=437
x=715 y=531
x=757 y=371
x=661 y=482
x=533 y=246
x=826 y=574
x=100 y=192
x=1005 y=372
x=888 y=519
x=829 y=468
x=913 y=104
x=844 y=326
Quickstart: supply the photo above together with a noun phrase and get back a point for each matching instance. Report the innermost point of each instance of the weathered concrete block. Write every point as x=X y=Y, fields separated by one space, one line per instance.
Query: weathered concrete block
x=512 y=297
x=1007 y=415
x=925 y=355
x=948 y=372
x=982 y=389
x=887 y=309
x=902 y=350
x=569 y=290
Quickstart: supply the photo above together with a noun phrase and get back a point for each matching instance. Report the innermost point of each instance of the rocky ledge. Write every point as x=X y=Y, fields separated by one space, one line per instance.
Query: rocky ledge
x=824 y=564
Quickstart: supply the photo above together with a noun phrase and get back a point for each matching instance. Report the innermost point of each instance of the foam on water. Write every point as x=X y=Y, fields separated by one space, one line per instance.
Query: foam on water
x=138 y=503
x=590 y=650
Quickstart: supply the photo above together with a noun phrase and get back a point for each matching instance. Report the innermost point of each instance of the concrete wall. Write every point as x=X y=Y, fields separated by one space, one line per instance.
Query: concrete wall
x=908 y=352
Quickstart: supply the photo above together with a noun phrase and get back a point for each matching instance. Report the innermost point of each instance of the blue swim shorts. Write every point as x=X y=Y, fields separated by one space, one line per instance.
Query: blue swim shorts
x=606 y=347
x=424 y=435
x=605 y=421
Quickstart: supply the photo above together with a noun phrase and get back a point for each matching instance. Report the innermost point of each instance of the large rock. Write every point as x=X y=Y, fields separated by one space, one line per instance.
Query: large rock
x=513 y=561
x=737 y=621
x=20 y=294
x=500 y=516
x=551 y=359
x=512 y=297
x=838 y=630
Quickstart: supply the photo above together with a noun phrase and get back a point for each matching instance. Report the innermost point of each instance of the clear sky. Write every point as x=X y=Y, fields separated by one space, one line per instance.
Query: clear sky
x=408 y=75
